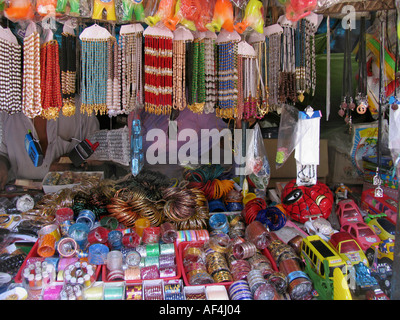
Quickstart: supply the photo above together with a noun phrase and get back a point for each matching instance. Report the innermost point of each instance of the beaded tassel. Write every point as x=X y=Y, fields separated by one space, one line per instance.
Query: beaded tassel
x=179 y=71
x=198 y=81
x=50 y=80
x=158 y=74
x=94 y=76
x=210 y=74
x=68 y=73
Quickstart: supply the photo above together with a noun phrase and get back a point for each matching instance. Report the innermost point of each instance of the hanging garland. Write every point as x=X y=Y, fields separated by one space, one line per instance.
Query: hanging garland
x=158 y=74
x=198 y=84
x=131 y=71
x=94 y=76
x=50 y=80
x=68 y=73
x=31 y=88
x=179 y=72
x=227 y=74
x=274 y=51
x=10 y=81
x=113 y=78
x=210 y=75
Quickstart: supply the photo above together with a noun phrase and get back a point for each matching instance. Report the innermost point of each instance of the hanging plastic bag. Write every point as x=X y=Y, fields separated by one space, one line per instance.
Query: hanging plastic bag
x=257 y=165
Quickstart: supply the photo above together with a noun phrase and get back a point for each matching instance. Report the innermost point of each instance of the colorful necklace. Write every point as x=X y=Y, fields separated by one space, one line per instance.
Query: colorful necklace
x=198 y=83
x=31 y=88
x=210 y=75
x=11 y=76
x=158 y=72
x=113 y=78
x=68 y=73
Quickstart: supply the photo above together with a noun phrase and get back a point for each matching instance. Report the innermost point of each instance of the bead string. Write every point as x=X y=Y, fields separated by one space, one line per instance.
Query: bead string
x=179 y=71
x=50 y=80
x=31 y=92
x=113 y=78
x=11 y=76
x=68 y=73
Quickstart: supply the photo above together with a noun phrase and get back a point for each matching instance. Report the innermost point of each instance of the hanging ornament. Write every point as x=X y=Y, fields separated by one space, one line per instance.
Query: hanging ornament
x=11 y=71
x=113 y=78
x=99 y=6
x=253 y=17
x=227 y=73
x=31 y=88
x=222 y=17
x=68 y=73
x=131 y=53
x=158 y=71
x=362 y=98
x=94 y=42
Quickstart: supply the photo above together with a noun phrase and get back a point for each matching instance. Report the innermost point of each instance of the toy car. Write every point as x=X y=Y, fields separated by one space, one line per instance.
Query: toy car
x=362 y=233
x=376 y=294
x=348 y=248
x=348 y=211
x=383 y=228
x=364 y=280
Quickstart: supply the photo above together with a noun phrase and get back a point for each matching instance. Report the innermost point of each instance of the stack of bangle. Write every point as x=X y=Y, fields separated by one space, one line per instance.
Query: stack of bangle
x=218 y=268
x=133 y=292
x=244 y=250
x=258 y=234
x=240 y=290
x=239 y=269
x=255 y=279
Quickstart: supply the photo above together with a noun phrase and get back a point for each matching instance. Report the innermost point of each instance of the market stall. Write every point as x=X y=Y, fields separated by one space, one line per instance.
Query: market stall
x=185 y=150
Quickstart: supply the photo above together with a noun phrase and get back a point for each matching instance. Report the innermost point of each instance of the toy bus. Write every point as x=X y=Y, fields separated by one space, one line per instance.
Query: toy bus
x=376 y=205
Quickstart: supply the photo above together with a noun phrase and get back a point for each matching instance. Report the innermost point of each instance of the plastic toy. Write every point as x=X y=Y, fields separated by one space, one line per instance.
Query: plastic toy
x=193 y=14
x=19 y=10
x=223 y=17
x=166 y=10
x=108 y=6
x=376 y=294
x=74 y=7
x=46 y=7
x=304 y=202
x=320 y=227
x=298 y=9
x=348 y=248
x=348 y=211
x=342 y=192
x=362 y=233
x=379 y=205
x=253 y=17
x=383 y=228
x=132 y=6
x=364 y=280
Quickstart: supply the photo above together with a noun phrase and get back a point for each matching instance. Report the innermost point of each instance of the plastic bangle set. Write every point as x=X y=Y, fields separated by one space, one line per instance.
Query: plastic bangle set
x=47 y=245
x=219 y=221
x=239 y=269
x=38 y=275
x=115 y=239
x=67 y=247
x=244 y=250
x=64 y=214
x=134 y=292
x=258 y=234
x=98 y=253
x=131 y=240
x=98 y=235
x=151 y=235
x=113 y=292
x=153 y=291
x=168 y=232
x=87 y=217
x=240 y=290
x=80 y=273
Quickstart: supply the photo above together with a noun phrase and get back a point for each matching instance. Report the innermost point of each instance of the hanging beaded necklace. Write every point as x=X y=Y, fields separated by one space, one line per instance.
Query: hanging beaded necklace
x=50 y=80
x=132 y=77
x=274 y=48
x=68 y=73
x=260 y=48
x=94 y=76
x=227 y=75
x=158 y=74
x=210 y=75
x=31 y=88
x=198 y=85
x=11 y=76
x=287 y=88
x=179 y=71
x=247 y=87
x=113 y=78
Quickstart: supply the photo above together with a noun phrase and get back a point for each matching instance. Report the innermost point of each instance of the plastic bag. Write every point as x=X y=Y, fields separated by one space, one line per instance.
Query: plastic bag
x=257 y=164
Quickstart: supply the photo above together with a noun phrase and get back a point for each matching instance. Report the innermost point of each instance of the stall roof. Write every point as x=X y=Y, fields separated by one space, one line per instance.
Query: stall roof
x=360 y=6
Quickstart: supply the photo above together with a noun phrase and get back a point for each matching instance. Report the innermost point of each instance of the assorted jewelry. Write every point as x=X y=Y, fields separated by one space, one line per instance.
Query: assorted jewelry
x=179 y=72
x=94 y=76
x=273 y=42
x=210 y=75
x=197 y=94
x=31 y=88
x=362 y=96
x=287 y=85
x=131 y=71
x=348 y=105
x=11 y=76
x=50 y=80
x=68 y=73
x=113 y=78
x=227 y=75
x=158 y=74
